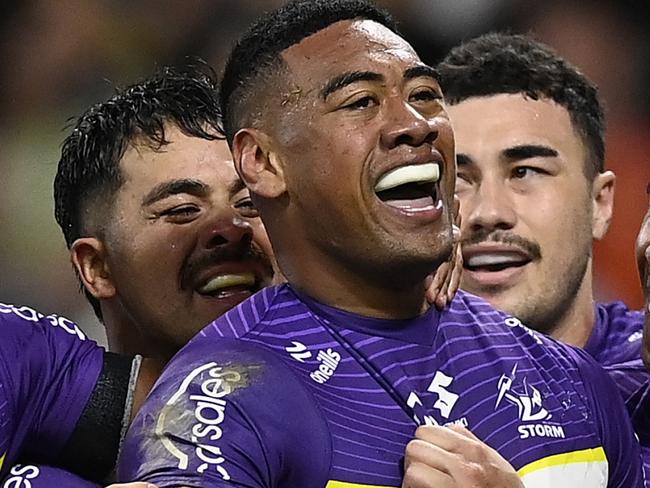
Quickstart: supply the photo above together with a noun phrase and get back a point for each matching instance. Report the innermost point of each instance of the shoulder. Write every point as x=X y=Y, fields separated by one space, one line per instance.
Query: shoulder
x=252 y=314
x=23 y=321
x=219 y=407
x=494 y=333
x=34 y=344
x=623 y=325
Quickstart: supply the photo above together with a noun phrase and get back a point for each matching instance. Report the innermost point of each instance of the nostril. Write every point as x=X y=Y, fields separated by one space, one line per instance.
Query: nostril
x=246 y=239
x=217 y=239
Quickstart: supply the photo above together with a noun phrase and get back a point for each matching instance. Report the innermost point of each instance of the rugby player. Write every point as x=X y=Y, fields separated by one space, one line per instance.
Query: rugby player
x=161 y=231
x=529 y=130
x=535 y=194
x=339 y=131
x=151 y=265
x=140 y=261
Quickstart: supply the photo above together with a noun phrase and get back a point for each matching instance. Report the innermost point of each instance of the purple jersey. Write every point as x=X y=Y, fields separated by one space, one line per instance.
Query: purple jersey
x=283 y=392
x=616 y=336
x=48 y=370
x=30 y=476
x=616 y=344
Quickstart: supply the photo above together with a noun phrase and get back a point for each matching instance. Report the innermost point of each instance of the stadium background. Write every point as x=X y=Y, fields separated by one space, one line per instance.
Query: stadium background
x=59 y=57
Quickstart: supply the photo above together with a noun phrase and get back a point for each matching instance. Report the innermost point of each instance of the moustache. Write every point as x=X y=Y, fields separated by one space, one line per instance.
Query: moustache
x=244 y=250
x=531 y=248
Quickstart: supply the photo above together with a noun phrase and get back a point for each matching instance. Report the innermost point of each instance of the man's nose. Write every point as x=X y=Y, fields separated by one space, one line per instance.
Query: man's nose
x=489 y=207
x=408 y=126
x=224 y=229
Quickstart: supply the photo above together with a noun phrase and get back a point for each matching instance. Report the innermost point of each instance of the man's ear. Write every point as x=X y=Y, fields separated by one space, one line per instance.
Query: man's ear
x=603 y=203
x=258 y=164
x=88 y=255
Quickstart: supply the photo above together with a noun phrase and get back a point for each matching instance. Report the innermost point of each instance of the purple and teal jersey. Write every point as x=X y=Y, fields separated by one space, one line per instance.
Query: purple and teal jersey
x=284 y=392
x=617 y=333
x=31 y=476
x=48 y=370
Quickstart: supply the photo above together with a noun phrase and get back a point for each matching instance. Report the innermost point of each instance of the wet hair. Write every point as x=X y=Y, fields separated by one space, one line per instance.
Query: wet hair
x=256 y=57
x=88 y=173
x=499 y=63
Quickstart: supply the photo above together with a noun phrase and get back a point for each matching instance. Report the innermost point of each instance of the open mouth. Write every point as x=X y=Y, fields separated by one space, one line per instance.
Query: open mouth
x=495 y=262
x=412 y=188
x=225 y=285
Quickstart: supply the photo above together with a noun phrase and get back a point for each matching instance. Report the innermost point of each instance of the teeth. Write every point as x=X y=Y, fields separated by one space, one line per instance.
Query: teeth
x=415 y=173
x=228 y=281
x=494 y=259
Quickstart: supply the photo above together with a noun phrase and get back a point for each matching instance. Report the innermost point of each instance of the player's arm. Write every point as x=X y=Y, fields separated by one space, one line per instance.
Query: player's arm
x=70 y=399
x=621 y=447
x=32 y=476
x=227 y=414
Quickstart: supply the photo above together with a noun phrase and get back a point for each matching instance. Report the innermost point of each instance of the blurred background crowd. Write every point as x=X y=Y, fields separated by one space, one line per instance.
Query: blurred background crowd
x=60 y=57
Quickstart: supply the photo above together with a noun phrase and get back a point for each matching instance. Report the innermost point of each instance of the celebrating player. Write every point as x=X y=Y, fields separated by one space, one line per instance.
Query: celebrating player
x=339 y=131
x=533 y=189
x=161 y=230
x=534 y=195
x=162 y=234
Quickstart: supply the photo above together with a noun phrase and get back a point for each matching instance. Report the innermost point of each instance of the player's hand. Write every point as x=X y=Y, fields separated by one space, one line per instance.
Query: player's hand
x=133 y=485
x=453 y=457
x=443 y=285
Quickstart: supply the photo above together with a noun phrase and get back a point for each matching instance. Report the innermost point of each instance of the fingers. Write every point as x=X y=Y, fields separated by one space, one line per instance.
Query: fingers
x=442 y=287
x=456 y=274
x=419 y=475
x=434 y=286
x=454 y=457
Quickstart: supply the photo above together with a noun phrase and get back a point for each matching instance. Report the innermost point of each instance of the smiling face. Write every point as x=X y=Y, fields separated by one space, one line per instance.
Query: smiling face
x=366 y=152
x=643 y=261
x=185 y=243
x=529 y=214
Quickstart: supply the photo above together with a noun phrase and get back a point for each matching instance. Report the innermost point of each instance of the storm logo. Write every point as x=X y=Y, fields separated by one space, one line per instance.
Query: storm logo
x=209 y=409
x=528 y=399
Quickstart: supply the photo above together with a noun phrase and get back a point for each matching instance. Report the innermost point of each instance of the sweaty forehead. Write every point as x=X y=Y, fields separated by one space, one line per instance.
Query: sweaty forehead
x=348 y=45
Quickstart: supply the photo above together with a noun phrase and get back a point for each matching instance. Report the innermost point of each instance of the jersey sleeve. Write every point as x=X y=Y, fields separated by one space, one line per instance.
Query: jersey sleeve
x=227 y=414
x=613 y=423
x=48 y=369
x=33 y=476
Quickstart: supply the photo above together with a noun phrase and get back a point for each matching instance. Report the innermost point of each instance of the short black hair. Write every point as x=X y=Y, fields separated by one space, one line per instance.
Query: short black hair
x=260 y=47
x=88 y=173
x=498 y=63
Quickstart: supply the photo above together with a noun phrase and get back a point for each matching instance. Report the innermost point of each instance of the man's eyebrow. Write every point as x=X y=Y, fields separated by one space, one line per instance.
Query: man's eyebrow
x=527 y=151
x=345 y=79
x=422 y=70
x=174 y=187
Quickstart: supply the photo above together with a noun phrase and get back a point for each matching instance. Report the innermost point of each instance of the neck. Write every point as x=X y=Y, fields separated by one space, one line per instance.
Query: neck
x=339 y=286
x=576 y=325
x=124 y=336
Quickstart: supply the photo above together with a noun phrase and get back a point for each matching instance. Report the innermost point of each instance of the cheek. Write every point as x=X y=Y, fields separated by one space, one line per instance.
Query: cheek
x=261 y=238
x=157 y=252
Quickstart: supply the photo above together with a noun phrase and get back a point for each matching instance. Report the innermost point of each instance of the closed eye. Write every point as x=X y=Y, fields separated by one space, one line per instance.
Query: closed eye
x=361 y=103
x=181 y=212
x=246 y=208
x=425 y=95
